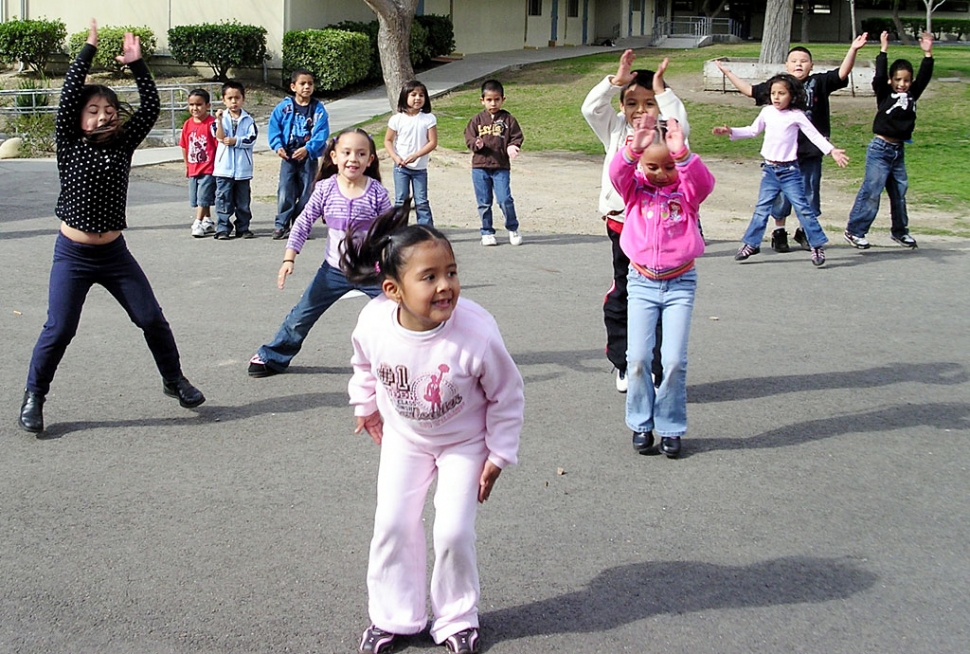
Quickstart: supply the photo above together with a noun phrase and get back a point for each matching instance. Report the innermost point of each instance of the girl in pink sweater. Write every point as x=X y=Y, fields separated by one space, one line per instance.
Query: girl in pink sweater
x=435 y=387
x=781 y=121
x=663 y=185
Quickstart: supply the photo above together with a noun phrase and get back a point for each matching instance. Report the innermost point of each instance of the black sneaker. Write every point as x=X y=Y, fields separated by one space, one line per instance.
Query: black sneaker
x=801 y=239
x=779 y=240
x=464 y=642
x=222 y=236
x=258 y=368
x=906 y=241
x=746 y=251
x=670 y=447
x=280 y=234
x=246 y=234
x=188 y=395
x=642 y=441
x=376 y=640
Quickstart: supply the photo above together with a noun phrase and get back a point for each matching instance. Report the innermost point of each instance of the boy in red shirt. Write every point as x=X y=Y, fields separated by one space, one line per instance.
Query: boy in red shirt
x=198 y=144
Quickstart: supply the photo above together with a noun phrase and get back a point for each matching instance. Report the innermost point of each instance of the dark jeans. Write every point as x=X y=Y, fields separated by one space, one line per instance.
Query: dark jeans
x=296 y=185
x=615 y=310
x=76 y=268
x=233 y=197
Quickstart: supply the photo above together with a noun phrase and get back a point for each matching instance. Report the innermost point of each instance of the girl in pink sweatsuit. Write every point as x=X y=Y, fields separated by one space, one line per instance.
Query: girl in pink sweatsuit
x=663 y=185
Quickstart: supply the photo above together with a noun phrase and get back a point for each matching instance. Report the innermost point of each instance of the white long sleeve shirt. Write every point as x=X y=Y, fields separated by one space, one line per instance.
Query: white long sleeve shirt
x=442 y=387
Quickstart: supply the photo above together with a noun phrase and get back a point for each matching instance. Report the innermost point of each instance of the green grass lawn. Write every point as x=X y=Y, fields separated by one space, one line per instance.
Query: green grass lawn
x=545 y=99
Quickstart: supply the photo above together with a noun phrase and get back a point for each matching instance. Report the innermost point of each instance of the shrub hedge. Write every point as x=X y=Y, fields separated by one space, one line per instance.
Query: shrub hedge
x=223 y=46
x=337 y=58
x=111 y=44
x=32 y=42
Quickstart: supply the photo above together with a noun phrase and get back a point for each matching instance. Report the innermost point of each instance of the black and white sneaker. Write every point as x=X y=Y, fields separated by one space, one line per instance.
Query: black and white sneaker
x=859 y=242
x=818 y=257
x=801 y=239
x=464 y=642
x=375 y=640
x=746 y=251
x=779 y=240
x=906 y=241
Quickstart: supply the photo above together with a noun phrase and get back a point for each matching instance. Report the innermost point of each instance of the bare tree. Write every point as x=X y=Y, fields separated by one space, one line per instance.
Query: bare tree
x=776 y=36
x=394 y=18
x=900 y=29
x=931 y=6
x=711 y=8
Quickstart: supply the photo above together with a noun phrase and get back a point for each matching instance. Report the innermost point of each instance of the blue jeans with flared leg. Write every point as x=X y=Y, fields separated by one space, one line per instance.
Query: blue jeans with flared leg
x=885 y=169
x=410 y=179
x=784 y=178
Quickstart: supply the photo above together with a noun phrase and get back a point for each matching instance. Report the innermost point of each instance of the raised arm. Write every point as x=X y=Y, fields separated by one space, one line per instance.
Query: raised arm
x=67 y=125
x=849 y=61
x=743 y=87
x=142 y=121
x=925 y=71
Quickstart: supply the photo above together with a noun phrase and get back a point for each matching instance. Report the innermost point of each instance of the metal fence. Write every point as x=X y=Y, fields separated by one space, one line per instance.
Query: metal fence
x=696 y=26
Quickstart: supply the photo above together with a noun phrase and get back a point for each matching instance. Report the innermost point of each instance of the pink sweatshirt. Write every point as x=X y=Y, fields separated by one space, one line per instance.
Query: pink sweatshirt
x=781 y=133
x=442 y=387
x=661 y=235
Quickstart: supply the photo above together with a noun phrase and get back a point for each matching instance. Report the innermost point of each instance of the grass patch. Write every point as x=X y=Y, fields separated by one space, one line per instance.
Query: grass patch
x=545 y=98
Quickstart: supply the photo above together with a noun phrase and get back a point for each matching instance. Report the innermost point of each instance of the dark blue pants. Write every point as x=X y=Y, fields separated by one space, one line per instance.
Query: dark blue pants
x=76 y=268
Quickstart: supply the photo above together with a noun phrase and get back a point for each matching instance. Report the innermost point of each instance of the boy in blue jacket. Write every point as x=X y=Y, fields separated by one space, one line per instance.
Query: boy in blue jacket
x=298 y=131
x=236 y=133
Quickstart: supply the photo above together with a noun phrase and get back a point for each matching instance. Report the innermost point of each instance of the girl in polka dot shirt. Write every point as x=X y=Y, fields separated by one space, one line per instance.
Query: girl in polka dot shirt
x=94 y=149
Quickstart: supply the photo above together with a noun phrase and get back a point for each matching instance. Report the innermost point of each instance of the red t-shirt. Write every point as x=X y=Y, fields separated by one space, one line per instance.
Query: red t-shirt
x=199 y=143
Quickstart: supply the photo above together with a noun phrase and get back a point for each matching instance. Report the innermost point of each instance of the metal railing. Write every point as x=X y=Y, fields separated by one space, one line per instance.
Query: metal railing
x=696 y=27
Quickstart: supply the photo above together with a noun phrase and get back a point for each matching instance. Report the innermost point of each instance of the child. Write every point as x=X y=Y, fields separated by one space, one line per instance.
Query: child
x=435 y=387
x=641 y=92
x=298 y=131
x=494 y=137
x=198 y=144
x=348 y=194
x=781 y=121
x=94 y=148
x=662 y=185
x=896 y=96
x=412 y=134
x=818 y=87
x=236 y=132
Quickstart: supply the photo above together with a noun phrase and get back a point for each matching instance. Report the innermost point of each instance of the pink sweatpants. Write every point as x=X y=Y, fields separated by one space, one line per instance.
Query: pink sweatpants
x=397 y=572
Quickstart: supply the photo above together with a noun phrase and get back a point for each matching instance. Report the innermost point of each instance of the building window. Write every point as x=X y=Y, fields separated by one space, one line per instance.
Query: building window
x=572 y=9
x=817 y=8
x=535 y=7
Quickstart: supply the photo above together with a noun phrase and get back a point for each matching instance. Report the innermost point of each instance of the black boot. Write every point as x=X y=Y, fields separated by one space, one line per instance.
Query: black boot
x=32 y=412
x=189 y=396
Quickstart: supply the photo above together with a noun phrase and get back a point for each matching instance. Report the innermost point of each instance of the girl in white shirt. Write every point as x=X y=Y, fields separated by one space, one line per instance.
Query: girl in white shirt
x=435 y=387
x=412 y=133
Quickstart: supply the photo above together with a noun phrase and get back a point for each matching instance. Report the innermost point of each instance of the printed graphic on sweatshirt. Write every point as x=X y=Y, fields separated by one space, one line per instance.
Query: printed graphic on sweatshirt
x=497 y=128
x=429 y=397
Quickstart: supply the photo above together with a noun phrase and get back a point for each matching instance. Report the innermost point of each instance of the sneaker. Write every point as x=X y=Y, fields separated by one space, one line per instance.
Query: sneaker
x=621 y=383
x=642 y=441
x=376 y=640
x=818 y=257
x=801 y=239
x=779 y=240
x=197 y=230
x=746 y=251
x=246 y=234
x=188 y=395
x=258 y=368
x=464 y=642
x=222 y=236
x=280 y=234
x=208 y=227
x=906 y=241
x=488 y=239
x=856 y=241
x=515 y=238
x=670 y=446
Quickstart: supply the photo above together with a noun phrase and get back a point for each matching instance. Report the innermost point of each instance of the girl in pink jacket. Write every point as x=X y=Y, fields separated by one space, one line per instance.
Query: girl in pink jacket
x=663 y=185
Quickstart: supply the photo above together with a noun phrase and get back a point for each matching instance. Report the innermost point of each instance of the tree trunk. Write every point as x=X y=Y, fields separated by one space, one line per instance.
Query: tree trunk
x=393 y=43
x=900 y=29
x=806 y=14
x=776 y=36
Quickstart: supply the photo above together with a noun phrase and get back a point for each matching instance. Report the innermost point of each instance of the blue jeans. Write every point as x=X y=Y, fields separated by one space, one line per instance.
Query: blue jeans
x=783 y=178
x=327 y=286
x=812 y=180
x=885 y=169
x=296 y=184
x=76 y=268
x=486 y=180
x=663 y=410
x=232 y=197
x=406 y=179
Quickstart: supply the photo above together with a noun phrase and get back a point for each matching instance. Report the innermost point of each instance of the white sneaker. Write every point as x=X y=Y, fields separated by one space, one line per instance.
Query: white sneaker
x=208 y=227
x=515 y=238
x=197 y=229
x=488 y=239
x=621 y=384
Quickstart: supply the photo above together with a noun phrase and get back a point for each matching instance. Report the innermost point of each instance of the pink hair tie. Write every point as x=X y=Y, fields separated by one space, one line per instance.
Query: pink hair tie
x=377 y=267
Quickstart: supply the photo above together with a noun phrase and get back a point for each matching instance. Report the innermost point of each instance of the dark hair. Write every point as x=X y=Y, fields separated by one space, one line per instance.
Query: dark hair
x=202 y=93
x=106 y=133
x=493 y=85
x=644 y=79
x=402 y=100
x=295 y=75
x=233 y=84
x=795 y=88
x=799 y=48
x=900 y=64
x=329 y=167
x=382 y=253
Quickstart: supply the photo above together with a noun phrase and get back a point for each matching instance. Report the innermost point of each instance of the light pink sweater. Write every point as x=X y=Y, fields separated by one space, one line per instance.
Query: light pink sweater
x=781 y=133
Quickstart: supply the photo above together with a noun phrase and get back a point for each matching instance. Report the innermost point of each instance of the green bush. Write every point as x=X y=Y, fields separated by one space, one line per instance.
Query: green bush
x=876 y=25
x=958 y=26
x=337 y=58
x=37 y=132
x=32 y=42
x=223 y=46
x=441 y=34
x=418 y=44
x=32 y=100
x=111 y=44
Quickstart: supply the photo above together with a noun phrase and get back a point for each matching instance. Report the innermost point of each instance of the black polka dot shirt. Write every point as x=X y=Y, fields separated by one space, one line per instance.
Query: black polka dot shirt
x=94 y=178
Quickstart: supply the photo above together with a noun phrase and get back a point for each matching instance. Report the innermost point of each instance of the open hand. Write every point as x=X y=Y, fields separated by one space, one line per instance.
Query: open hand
x=512 y=151
x=623 y=73
x=130 y=50
x=840 y=158
x=93 y=34
x=374 y=425
x=721 y=130
x=859 y=41
x=658 y=77
x=675 y=136
x=644 y=133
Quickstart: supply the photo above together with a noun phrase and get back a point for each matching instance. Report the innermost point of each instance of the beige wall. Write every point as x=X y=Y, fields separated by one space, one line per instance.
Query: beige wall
x=489 y=26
